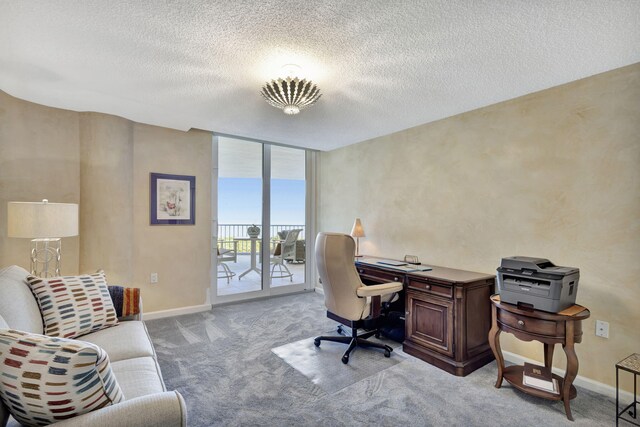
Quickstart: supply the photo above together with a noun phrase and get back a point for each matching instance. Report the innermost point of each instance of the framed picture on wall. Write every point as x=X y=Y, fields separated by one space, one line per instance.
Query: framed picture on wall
x=172 y=199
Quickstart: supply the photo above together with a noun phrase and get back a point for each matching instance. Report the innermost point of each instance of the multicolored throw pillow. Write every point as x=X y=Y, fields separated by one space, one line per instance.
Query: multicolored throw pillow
x=126 y=301
x=73 y=306
x=44 y=379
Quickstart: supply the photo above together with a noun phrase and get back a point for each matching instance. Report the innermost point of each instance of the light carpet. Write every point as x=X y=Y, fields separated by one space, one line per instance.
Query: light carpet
x=221 y=361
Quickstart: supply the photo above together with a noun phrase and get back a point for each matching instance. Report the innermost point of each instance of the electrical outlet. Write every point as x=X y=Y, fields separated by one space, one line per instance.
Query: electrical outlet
x=602 y=329
x=154 y=278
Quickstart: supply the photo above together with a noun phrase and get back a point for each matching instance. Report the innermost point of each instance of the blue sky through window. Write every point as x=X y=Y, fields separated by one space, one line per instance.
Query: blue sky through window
x=240 y=201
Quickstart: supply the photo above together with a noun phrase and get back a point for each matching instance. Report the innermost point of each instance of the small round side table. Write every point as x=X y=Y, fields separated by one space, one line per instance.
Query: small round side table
x=630 y=364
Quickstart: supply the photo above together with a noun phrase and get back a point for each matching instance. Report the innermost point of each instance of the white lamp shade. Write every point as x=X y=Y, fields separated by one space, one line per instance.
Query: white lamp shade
x=357 y=230
x=37 y=220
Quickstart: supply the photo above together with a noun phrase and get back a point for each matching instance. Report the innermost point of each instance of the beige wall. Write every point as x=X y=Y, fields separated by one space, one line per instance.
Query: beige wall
x=103 y=163
x=106 y=192
x=39 y=159
x=180 y=254
x=554 y=174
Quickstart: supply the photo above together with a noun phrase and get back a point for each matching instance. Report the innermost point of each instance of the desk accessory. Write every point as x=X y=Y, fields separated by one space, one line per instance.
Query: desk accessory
x=392 y=262
x=357 y=231
x=411 y=259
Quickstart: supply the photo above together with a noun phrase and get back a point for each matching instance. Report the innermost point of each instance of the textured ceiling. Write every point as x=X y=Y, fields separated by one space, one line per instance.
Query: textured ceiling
x=381 y=65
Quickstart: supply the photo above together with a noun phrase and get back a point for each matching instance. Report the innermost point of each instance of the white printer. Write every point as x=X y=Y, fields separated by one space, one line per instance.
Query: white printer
x=537 y=283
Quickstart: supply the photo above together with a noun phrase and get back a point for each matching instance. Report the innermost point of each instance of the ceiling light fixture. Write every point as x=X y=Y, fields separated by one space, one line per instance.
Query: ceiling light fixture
x=291 y=93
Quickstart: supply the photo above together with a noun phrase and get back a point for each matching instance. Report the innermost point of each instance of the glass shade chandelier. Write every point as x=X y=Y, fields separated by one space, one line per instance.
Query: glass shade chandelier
x=291 y=93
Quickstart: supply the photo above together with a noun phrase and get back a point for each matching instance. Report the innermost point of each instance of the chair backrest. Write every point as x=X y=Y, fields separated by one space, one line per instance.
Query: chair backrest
x=335 y=259
x=288 y=247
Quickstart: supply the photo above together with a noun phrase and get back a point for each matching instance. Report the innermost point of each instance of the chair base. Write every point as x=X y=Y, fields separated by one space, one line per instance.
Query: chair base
x=281 y=271
x=226 y=272
x=354 y=341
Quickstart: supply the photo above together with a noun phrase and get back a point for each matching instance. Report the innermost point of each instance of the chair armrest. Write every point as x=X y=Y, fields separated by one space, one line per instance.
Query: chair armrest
x=126 y=301
x=161 y=409
x=379 y=290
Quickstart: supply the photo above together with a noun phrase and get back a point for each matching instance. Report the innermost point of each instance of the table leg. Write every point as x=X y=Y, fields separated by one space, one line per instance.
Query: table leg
x=572 y=367
x=494 y=342
x=635 y=399
x=617 y=398
x=548 y=355
x=254 y=266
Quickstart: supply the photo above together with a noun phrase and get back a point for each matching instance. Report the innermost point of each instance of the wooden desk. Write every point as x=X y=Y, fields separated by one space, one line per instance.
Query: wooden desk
x=549 y=328
x=447 y=311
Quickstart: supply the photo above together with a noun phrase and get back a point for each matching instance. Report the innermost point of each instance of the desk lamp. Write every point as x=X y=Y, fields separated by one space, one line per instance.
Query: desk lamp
x=45 y=223
x=357 y=231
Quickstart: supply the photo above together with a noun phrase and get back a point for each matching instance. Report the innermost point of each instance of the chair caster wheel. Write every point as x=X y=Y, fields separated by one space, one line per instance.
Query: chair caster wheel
x=316 y=342
x=377 y=335
x=387 y=351
x=340 y=330
x=345 y=359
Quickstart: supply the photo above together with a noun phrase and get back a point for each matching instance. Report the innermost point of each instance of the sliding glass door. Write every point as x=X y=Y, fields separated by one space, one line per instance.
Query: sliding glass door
x=288 y=223
x=260 y=210
x=239 y=236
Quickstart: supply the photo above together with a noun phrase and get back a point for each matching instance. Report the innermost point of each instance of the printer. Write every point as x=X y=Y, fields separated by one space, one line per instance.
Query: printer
x=537 y=283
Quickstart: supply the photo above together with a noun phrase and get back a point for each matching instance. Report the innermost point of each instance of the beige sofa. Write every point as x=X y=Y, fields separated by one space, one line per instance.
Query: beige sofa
x=132 y=357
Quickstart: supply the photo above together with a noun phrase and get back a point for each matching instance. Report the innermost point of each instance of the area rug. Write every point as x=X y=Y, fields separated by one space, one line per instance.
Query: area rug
x=324 y=367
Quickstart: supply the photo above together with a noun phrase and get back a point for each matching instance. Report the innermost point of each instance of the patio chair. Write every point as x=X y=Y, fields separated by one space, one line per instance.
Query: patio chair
x=287 y=251
x=224 y=255
x=228 y=250
x=299 y=255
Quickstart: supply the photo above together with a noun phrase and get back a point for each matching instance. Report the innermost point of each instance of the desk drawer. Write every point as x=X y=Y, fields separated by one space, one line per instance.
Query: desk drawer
x=529 y=324
x=431 y=287
x=379 y=275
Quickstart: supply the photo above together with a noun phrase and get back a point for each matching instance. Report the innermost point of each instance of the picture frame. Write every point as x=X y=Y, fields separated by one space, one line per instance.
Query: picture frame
x=172 y=199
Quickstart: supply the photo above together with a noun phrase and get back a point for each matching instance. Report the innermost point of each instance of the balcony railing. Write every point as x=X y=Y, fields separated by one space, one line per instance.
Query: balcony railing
x=228 y=232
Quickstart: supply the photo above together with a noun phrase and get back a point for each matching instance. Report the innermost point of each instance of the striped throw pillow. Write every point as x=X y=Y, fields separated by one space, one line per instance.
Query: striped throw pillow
x=45 y=379
x=72 y=306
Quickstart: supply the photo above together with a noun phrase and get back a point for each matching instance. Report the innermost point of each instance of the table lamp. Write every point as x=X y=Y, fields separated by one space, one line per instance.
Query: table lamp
x=45 y=223
x=357 y=231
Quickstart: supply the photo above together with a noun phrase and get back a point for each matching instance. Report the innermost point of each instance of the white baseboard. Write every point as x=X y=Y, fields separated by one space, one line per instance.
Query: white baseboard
x=583 y=382
x=176 y=312
x=319 y=290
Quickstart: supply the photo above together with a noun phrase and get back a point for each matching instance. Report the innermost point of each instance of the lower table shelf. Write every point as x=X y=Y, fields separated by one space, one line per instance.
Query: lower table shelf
x=513 y=374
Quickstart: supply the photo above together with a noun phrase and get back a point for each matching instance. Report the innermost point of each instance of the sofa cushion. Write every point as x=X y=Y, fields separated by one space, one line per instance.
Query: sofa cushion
x=138 y=377
x=3 y=324
x=73 y=306
x=18 y=307
x=47 y=379
x=125 y=341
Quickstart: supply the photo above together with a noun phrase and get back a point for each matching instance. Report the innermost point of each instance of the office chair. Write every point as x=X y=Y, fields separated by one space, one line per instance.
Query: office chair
x=347 y=299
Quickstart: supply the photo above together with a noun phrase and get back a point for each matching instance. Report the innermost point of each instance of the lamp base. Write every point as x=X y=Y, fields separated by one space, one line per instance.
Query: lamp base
x=45 y=257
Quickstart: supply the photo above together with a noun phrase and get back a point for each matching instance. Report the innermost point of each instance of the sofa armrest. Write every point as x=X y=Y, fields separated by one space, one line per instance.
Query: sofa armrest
x=161 y=409
x=126 y=301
